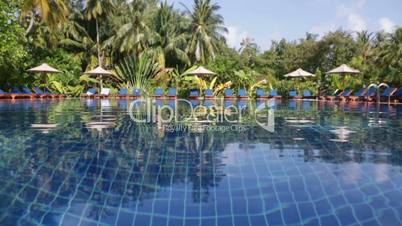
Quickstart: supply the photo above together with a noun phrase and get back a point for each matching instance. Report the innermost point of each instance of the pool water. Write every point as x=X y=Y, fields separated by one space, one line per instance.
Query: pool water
x=86 y=162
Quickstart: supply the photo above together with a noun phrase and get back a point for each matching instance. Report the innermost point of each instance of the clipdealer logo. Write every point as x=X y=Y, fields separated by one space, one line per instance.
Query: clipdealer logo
x=147 y=111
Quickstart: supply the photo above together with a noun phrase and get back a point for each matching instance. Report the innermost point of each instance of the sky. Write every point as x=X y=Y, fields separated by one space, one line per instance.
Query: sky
x=267 y=20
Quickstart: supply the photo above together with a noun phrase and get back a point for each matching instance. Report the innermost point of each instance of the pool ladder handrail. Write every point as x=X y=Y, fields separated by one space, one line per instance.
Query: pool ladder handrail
x=377 y=87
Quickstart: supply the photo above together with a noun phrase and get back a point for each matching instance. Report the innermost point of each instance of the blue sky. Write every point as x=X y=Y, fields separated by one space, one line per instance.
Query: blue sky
x=266 y=20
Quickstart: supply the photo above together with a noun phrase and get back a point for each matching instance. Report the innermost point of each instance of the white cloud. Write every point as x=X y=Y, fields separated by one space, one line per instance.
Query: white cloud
x=346 y=16
x=234 y=36
x=387 y=24
x=356 y=23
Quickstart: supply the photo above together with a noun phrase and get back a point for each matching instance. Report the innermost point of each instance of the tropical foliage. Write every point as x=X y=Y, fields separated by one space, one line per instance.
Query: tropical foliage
x=150 y=43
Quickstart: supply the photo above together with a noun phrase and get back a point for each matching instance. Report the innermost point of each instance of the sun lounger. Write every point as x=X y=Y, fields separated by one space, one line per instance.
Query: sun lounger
x=357 y=96
x=37 y=90
x=194 y=94
x=123 y=93
x=293 y=95
x=105 y=92
x=335 y=94
x=242 y=94
x=228 y=94
x=17 y=94
x=397 y=96
x=4 y=95
x=274 y=94
x=260 y=94
x=137 y=93
x=27 y=91
x=90 y=93
x=54 y=95
x=209 y=94
x=172 y=93
x=308 y=95
x=371 y=94
x=345 y=93
x=387 y=94
x=158 y=93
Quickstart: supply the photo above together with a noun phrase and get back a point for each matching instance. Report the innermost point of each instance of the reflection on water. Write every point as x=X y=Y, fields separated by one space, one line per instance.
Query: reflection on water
x=85 y=162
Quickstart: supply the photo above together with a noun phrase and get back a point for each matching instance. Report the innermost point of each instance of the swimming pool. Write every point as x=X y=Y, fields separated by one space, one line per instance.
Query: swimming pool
x=73 y=162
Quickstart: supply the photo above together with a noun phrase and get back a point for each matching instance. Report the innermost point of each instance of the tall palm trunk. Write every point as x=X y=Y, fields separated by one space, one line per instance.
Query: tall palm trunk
x=97 y=42
x=98 y=49
x=31 y=23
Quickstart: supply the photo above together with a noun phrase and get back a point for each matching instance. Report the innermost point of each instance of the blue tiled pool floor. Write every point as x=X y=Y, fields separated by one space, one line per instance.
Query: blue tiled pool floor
x=75 y=163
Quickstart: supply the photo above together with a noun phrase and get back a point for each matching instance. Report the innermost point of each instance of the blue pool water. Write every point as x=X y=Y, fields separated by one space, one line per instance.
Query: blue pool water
x=87 y=162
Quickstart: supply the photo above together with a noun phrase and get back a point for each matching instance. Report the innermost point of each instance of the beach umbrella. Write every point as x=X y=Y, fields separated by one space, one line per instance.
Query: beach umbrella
x=343 y=70
x=201 y=71
x=299 y=73
x=101 y=72
x=44 y=68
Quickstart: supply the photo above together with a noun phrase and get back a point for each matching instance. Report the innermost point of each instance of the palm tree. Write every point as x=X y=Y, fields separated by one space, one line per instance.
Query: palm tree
x=248 y=51
x=364 y=40
x=94 y=10
x=52 y=12
x=391 y=52
x=170 y=39
x=77 y=40
x=131 y=30
x=389 y=56
x=206 y=30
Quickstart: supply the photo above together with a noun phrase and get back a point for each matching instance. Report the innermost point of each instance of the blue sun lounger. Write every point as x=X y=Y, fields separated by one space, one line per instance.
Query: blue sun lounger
x=123 y=93
x=137 y=93
x=242 y=94
x=293 y=95
x=357 y=96
x=4 y=95
x=388 y=93
x=27 y=91
x=90 y=93
x=40 y=92
x=260 y=94
x=273 y=93
x=398 y=95
x=158 y=93
x=17 y=94
x=209 y=94
x=194 y=94
x=344 y=94
x=172 y=93
x=52 y=94
x=334 y=95
x=371 y=94
x=228 y=94
x=308 y=95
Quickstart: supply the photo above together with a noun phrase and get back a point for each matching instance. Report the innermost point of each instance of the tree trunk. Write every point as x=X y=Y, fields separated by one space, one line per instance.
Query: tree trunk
x=31 y=23
x=97 y=43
